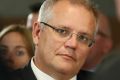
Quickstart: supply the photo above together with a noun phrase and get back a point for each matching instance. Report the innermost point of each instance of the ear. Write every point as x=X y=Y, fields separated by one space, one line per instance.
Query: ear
x=36 y=33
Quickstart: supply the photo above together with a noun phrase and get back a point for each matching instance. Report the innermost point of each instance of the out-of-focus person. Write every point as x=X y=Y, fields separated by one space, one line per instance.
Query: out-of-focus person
x=109 y=68
x=101 y=48
x=16 y=47
x=33 y=16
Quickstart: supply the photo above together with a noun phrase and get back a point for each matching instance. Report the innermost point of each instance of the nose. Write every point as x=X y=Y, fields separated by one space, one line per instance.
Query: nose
x=10 y=55
x=71 y=42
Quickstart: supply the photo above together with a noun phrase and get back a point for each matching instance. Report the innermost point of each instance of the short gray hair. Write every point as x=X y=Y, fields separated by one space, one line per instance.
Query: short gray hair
x=45 y=12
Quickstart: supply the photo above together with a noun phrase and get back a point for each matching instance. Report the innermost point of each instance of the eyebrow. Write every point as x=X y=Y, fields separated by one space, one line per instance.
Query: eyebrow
x=64 y=27
x=102 y=34
x=17 y=47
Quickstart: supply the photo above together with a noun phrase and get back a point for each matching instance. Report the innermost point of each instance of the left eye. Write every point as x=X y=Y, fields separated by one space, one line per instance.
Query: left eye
x=82 y=38
x=20 y=53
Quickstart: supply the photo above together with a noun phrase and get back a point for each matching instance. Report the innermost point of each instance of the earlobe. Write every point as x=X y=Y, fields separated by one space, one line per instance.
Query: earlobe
x=35 y=33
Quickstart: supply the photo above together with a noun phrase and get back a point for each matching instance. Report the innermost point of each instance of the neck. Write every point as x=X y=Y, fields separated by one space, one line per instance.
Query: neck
x=57 y=75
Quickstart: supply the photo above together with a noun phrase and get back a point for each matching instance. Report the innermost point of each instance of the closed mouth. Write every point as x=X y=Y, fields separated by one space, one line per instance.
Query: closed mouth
x=68 y=56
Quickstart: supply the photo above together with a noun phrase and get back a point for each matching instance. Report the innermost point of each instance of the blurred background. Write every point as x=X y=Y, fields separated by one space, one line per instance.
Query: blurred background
x=16 y=11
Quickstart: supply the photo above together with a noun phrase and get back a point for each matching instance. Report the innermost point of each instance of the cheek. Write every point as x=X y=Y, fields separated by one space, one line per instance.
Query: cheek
x=21 y=62
x=98 y=45
x=53 y=44
x=83 y=54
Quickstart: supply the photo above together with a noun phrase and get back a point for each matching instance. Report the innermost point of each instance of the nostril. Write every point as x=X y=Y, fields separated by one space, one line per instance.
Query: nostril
x=71 y=49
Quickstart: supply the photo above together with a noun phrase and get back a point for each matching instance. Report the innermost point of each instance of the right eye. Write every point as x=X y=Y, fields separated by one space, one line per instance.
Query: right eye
x=62 y=32
x=3 y=50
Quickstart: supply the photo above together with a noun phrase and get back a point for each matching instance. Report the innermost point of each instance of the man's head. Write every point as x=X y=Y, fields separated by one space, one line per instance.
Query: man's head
x=63 y=36
x=33 y=16
x=102 y=45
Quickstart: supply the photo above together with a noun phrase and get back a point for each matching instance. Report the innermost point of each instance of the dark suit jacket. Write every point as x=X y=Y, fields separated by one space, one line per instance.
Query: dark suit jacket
x=109 y=69
x=5 y=74
x=27 y=74
x=23 y=74
x=85 y=75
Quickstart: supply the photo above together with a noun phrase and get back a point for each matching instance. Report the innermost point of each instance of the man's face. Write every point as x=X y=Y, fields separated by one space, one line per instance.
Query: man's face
x=56 y=54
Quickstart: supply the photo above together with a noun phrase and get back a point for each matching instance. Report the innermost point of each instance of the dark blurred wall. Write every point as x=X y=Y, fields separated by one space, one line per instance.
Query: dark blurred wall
x=20 y=7
x=14 y=11
x=107 y=6
x=15 y=8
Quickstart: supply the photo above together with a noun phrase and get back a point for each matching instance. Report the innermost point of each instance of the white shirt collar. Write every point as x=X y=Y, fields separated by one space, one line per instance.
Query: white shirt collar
x=91 y=70
x=41 y=75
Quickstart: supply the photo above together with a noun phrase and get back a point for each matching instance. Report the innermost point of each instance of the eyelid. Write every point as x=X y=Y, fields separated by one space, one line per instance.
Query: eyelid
x=84 y=34
x=89 y=38
x=84 y=37
x=20 y=53
x=102 y=34
x=63 y=31
x=63 y=28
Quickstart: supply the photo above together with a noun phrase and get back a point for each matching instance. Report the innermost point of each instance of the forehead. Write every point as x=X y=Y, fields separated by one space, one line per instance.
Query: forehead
x=75 y=16
x=104 y=25
x=13 y=39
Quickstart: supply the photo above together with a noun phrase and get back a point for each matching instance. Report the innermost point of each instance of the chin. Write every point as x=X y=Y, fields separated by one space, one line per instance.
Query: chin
x=66 y=68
